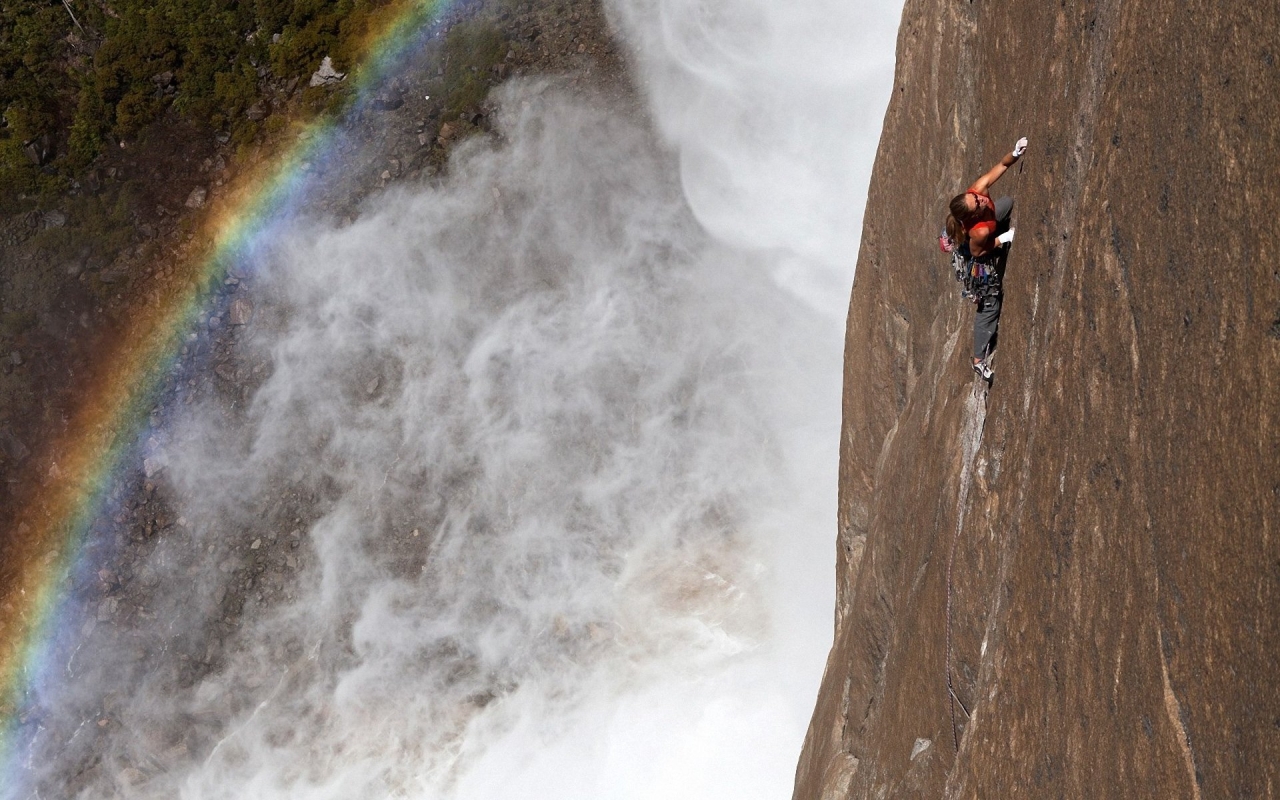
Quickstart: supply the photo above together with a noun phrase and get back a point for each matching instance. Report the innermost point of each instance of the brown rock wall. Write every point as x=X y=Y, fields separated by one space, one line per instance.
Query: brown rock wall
x=1112 y=501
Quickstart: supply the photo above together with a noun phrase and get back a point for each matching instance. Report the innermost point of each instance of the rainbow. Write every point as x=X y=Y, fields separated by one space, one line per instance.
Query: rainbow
x=102 y=439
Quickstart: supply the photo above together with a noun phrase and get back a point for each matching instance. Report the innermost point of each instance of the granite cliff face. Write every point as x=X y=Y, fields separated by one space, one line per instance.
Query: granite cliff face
x=1113 y=501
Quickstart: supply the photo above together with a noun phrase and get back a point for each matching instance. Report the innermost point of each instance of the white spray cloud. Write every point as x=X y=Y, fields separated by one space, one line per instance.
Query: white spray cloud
x=565 y=431
x=546 y=370
x=775 y=109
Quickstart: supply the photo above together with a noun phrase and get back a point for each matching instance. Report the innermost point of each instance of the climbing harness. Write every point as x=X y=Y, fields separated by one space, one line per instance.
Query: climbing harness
x=978 y=277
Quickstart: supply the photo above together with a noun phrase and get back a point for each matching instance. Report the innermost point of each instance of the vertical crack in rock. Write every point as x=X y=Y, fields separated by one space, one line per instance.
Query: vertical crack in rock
x=970 y=443
x=1174 y=709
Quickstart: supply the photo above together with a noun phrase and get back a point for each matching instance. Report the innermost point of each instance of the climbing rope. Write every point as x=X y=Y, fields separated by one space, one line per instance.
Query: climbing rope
x=951 y=692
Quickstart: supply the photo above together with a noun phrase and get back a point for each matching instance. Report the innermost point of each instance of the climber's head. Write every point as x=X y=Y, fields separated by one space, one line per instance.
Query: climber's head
x=969 y=207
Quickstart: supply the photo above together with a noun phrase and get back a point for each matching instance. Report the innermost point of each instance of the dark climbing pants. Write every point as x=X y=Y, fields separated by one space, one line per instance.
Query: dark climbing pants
x=1004 y=207
x=985 y=323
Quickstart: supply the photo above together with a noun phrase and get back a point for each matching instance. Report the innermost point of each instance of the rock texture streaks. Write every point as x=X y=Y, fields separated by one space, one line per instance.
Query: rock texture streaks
x=1113 y=499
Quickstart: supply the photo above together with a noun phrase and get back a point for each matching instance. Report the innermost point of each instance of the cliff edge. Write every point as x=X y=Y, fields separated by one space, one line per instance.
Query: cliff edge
x=1096 y=535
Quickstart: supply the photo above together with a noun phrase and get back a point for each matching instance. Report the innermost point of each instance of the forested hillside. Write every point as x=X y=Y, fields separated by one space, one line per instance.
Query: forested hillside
x=78 y=77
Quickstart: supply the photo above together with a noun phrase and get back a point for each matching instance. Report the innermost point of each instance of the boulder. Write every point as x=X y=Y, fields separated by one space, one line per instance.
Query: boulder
x=13 y=447
x=241 y=311
x=388 y=100
x=326 y=75
x=39 y=150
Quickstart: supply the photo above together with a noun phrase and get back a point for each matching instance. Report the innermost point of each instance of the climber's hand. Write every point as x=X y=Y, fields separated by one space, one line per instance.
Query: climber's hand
x=1020 y=147
x=1005 y=237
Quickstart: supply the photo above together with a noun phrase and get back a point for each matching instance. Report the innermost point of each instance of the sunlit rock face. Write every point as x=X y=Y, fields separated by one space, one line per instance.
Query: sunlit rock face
x=1111 y=502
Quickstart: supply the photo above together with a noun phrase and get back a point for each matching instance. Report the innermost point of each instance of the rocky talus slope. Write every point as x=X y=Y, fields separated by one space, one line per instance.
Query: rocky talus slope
x=1112 y=502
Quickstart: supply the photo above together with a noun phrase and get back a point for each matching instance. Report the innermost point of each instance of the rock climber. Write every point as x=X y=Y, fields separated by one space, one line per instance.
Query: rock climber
x=979 y=230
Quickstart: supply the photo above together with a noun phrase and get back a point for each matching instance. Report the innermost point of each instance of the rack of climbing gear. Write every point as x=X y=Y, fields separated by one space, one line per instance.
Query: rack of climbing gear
x=978 y=277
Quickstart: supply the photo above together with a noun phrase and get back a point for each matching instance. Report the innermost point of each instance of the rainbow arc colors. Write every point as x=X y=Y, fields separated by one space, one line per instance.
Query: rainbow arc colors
x=101 y=439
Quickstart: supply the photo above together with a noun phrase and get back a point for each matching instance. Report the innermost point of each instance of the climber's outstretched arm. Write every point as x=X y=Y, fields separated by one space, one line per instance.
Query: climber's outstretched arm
x=982 y=184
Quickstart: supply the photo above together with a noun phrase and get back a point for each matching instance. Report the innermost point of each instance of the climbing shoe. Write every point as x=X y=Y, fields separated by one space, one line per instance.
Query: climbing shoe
x=983 y=370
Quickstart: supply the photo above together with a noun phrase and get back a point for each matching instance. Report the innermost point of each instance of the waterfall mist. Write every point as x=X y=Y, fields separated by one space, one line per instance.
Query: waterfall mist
x=553 y=442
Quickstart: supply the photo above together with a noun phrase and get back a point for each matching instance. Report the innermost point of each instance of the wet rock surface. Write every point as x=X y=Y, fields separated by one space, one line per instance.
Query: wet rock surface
x=1111 y=502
